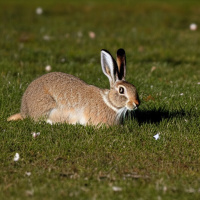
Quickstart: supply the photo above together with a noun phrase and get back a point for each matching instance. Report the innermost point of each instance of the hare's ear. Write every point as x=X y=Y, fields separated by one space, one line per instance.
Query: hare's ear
x=109 y=67
x=121 y=63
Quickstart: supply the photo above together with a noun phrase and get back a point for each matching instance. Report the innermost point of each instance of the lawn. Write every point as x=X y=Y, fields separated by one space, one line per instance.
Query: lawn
x=119 y=162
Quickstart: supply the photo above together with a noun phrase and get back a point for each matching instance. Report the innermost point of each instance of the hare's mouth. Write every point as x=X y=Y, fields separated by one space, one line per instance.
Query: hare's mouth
x=131 y=106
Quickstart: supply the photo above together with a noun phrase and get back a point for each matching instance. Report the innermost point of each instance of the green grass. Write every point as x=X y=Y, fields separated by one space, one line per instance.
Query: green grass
x=76 y=162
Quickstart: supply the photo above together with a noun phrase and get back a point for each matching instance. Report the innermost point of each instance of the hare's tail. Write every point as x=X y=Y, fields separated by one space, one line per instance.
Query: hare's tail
x=15 y=117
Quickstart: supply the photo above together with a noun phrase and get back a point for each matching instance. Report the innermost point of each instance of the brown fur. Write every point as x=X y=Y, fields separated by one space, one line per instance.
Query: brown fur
x=14 y=117
x=61 y=97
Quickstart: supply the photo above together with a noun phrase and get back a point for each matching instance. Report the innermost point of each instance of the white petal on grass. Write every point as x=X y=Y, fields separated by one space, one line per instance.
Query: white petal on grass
x=34 y=134
x=157 y=136
x=181 y=94
x=198 y=83
x=39 y=11
x=116 y=189
x=193 y=27
x=30 y=192
x=16 y=157
x=48 y=68
x=46 y=37
x=190 y=190
x=28 y=173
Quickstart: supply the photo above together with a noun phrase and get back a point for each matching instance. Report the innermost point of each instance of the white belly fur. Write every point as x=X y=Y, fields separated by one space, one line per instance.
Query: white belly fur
x=71 y=116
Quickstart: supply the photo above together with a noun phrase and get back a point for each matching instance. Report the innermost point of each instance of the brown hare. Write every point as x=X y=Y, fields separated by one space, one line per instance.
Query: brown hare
x=59 y=97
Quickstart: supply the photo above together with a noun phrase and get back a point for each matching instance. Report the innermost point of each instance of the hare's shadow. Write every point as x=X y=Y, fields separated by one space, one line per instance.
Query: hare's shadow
x=154 y=115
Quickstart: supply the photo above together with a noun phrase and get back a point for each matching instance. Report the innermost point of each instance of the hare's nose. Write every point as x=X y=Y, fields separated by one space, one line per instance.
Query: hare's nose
x=132 y=105
x=137 y=103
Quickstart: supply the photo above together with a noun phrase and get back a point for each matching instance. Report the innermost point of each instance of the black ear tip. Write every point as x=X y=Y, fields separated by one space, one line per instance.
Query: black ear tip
x=120 y=52
x=105 y=51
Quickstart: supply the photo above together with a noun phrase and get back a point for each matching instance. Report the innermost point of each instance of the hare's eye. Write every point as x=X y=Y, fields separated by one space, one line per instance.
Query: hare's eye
x=121 y=90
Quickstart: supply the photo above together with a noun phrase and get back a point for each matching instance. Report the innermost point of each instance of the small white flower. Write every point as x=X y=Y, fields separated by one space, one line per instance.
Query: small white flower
x=39 y=11
x=198 y=83
x=28 y=173
x=193 y=27
x=48 y=68
x=181 y=94
x=117 y=189
x=157 y=136
x=34 y=134
x=16 y=157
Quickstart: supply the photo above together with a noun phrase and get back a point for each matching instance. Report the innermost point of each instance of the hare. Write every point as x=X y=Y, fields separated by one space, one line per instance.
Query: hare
x=59 y=97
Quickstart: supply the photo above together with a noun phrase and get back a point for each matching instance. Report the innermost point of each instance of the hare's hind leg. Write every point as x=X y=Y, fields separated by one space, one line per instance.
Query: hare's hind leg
x=37 y=108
